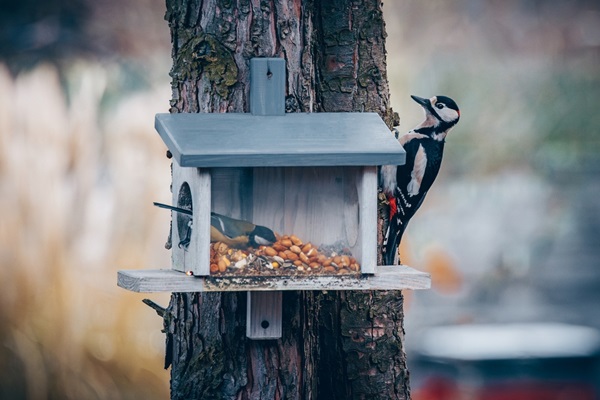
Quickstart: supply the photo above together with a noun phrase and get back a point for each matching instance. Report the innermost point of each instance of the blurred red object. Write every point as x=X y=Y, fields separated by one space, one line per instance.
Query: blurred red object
x=538 y=391
x=436 y=388
x=441 y=388
x=518 y=361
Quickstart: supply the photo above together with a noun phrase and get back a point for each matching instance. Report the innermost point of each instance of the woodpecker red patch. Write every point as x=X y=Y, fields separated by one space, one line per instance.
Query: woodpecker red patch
x=393 y=206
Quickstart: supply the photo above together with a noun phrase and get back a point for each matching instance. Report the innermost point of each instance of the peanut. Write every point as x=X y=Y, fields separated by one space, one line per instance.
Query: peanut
x=296 y=240
x=345 y=261
x=270 y=251
x=306 y=247
x=222 y=248
x=304 y=258
x=296 y=249
x=279 y=247
x=214 y=268
x=286 y=242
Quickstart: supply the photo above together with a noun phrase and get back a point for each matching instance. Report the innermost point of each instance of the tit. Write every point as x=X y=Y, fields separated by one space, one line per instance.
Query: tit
x=235 y=233
x=239 y=234
x=405 y=186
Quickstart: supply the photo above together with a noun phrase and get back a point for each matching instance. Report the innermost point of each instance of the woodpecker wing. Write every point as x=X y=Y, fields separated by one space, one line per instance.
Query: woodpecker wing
x=413 y=179
x=434 y=151
x=409 y=176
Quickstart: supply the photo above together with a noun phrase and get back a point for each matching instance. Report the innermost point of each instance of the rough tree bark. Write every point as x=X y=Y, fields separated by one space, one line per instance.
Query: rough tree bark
x=344 y=345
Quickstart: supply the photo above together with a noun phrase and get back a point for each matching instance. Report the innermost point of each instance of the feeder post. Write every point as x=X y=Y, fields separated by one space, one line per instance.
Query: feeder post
x=267 y=97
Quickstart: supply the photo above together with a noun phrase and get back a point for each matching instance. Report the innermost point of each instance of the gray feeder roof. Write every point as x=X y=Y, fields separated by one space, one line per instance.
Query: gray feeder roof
x=295 y=139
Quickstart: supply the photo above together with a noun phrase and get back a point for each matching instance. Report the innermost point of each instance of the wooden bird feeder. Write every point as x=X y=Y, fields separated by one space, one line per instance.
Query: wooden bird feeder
x=313 y=175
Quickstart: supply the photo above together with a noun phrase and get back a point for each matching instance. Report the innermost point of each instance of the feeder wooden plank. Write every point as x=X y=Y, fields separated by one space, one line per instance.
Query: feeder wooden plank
x=390 y=277
x=263 y=315
x=267 y=86
x=294 y=139
x=368 y=219
x=196 y=256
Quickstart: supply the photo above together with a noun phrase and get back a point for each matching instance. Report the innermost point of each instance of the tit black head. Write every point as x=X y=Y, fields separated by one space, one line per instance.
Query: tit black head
x=442 y=108
x=261 y=236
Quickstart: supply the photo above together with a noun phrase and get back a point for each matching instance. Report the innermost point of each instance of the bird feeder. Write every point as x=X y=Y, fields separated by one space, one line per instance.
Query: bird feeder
x=310 y=175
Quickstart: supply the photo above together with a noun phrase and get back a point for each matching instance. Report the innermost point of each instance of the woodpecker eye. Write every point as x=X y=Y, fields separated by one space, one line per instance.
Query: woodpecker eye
x=439 y=105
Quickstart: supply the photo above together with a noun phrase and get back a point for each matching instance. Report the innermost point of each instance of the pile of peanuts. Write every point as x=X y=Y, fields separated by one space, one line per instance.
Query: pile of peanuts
x=288 y=256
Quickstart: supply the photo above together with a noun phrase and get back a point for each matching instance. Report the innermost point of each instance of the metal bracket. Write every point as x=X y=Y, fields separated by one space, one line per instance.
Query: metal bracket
x=267 y=97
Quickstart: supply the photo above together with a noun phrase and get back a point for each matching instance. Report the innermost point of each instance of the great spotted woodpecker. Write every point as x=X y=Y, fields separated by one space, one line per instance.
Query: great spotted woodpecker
x=405 y=186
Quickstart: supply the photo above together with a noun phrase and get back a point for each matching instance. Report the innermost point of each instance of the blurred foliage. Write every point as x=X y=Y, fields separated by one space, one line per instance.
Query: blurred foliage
x=77 y=154
x=523 y=72
x=33 y=31
x=58 y=31
x=69 y=178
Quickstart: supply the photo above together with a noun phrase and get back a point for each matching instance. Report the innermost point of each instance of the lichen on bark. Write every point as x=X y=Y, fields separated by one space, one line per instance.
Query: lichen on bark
x=200 y=54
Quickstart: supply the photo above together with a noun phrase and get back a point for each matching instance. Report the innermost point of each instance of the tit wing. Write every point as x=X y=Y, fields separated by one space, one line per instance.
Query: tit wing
x=230 y=227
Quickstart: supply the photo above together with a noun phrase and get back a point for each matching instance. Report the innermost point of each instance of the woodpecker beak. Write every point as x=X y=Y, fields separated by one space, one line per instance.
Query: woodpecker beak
x=423 y=102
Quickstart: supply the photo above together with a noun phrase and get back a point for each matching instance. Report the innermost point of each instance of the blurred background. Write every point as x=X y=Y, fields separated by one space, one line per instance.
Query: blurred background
x=510 y=231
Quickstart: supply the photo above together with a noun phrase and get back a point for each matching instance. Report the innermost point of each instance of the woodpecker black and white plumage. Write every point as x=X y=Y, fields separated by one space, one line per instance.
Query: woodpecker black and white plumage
x=235 y=233
x=405 y=186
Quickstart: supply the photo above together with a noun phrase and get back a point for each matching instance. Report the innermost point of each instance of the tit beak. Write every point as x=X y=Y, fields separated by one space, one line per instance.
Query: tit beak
x=425 y=103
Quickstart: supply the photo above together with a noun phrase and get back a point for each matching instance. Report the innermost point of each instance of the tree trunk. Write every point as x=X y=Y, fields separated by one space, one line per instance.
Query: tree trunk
x=339 y=345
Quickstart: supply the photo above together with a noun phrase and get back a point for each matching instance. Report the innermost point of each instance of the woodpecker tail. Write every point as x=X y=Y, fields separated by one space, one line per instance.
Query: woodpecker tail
x=392 y=240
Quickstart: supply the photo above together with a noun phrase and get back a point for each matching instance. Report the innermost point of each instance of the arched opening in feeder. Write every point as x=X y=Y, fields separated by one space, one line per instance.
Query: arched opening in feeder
x=184 y=221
